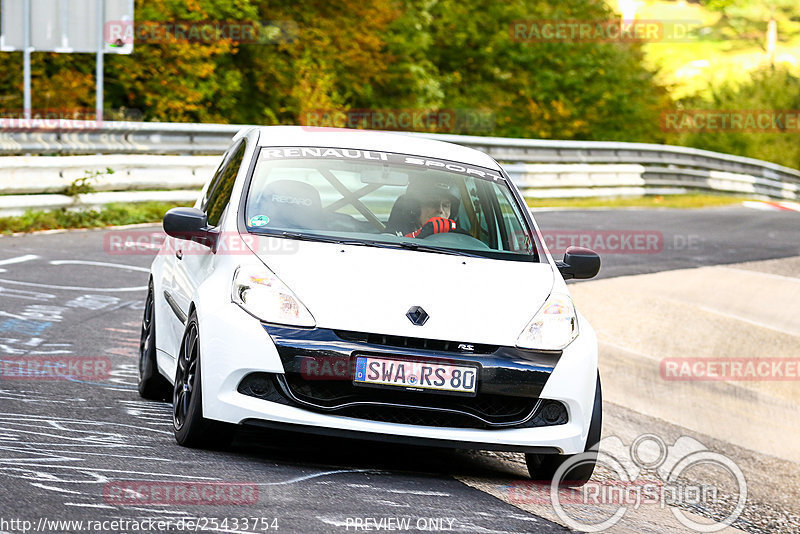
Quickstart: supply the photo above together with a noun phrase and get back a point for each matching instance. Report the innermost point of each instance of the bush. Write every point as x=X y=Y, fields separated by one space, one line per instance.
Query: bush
x=769 y=89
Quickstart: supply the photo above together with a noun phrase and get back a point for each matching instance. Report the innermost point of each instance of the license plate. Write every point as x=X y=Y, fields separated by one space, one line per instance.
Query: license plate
x=416 y=375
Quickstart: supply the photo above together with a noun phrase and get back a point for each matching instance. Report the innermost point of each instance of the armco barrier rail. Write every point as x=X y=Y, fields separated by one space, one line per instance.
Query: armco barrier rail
x=174 y=156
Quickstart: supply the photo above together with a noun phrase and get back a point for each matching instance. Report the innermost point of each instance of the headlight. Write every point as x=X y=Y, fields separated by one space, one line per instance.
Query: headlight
x=553 y=327
x=261 y=294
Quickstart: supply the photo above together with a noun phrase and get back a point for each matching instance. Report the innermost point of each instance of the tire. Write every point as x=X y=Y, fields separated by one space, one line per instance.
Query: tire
x=191 y=428
x=542 y=467
x=152 y=385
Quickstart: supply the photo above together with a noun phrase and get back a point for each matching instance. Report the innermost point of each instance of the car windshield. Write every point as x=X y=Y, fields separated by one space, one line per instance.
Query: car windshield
x=385 y=199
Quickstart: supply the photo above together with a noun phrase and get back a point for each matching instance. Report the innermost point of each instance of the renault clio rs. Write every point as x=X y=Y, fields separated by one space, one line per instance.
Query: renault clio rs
x=374 y=286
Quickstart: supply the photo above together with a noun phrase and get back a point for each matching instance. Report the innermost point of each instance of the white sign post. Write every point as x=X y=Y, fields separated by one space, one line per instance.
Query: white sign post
x=62 y=26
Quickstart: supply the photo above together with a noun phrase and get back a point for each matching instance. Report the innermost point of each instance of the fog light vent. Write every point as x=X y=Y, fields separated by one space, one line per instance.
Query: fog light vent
x=553 y=412
x=261 y=386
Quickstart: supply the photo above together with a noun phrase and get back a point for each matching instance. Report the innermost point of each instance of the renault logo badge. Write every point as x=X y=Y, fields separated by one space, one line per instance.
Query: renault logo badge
x=417 y=315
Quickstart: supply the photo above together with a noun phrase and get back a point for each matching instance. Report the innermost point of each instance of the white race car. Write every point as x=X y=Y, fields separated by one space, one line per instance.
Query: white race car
x=375 y=286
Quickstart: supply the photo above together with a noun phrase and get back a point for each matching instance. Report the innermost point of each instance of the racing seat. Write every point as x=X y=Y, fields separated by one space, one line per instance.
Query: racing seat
x=404 y=217
x=291 y=204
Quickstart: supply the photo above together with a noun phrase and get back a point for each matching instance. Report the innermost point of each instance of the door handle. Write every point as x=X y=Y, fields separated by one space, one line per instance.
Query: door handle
x=179 y=254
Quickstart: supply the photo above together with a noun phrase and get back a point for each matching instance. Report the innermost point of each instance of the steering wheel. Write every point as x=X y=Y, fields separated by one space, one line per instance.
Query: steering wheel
x=456 y=238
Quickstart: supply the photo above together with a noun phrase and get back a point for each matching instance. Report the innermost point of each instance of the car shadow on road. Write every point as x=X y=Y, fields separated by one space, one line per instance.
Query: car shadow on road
x=342 y=453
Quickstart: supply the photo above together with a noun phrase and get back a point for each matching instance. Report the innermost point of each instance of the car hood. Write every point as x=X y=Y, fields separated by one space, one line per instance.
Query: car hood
x=370 y=289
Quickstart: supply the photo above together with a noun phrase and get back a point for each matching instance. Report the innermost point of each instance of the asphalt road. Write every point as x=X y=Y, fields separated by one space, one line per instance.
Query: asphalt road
x=67 y=446
x=679 y=239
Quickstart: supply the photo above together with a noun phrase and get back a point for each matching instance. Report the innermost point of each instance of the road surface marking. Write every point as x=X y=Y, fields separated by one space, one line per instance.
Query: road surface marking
x=100 y=264
x=74 y=288
x=19 y=259
x=771 y=205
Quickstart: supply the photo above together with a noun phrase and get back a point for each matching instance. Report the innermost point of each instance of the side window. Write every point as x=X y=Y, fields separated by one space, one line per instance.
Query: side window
x=215 y=178
x=516 y=238
x=220 y=190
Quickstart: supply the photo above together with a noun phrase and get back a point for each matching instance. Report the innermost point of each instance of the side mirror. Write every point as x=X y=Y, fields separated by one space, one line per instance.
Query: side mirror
x=190 y=224
x=579 y=263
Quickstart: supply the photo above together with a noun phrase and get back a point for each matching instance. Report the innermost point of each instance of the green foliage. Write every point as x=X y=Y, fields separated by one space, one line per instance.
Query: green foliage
x=688 y=201
x=368 y=54
x=84 y=185
x=335 y=57
x=424 y=55
x=177 y=80
x=768 y=89
x=556 y=89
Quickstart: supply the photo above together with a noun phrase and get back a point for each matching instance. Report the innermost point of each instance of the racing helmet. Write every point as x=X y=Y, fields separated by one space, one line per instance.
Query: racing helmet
x=423 y=191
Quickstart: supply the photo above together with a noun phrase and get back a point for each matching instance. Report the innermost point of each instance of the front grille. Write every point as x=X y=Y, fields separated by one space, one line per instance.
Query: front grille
x=342 y=398
x=323 y=392
x=415 y=342
x=414 y=416
x=332 y=394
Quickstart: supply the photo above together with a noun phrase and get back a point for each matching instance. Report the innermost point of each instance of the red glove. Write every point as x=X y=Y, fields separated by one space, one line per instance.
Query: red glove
x=435 y=225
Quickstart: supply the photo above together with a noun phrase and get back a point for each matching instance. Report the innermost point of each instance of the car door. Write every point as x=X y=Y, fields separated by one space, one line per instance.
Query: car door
x=193 y=261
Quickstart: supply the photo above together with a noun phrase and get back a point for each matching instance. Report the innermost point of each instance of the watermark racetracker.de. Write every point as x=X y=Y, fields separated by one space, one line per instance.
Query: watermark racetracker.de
x=153 y=492
x=731 y=121
x=149 y=242
x=68 y=119
x=684 y=476
x=54 y=367
x=118 y=33
x=619 y=241
x=605 y=241
x=603 y=31
x=141 y=524
x=404 y=119
x=734 y=369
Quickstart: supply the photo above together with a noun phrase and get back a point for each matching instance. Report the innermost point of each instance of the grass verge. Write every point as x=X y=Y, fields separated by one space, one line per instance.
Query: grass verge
x=110 y=215
x=650 y=201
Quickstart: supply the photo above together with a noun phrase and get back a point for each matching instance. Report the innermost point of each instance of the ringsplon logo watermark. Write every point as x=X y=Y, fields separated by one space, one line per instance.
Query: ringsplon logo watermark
x=682 y=476
x=603 y=31
x=595 y=492
x=74 y=368
x=421 y=120
x=733 y=121
x=149 y=242
x=123 y=32
x=143 y=492
x=733 y=369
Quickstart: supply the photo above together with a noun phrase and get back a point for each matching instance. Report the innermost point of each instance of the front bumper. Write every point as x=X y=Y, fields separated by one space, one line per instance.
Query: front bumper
x=319 y=367
x=506 y=373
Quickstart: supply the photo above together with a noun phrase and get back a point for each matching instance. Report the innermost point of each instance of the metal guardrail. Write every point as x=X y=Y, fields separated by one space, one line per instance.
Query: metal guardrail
x=86 y=137
x=543 y=168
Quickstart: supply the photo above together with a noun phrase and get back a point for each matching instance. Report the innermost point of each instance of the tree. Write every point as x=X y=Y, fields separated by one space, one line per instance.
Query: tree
x=331 y=56
x=426 y=55
x=546 y=89
x=177 y=79
x=768 y=89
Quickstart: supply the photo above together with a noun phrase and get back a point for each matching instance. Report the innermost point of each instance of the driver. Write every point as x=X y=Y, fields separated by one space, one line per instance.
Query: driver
x=437 y=203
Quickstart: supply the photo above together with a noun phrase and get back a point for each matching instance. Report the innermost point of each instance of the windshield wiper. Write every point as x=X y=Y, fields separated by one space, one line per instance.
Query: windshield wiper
x=437 y=250
x=308 y=237
x=337 y=240
x=379 y=244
